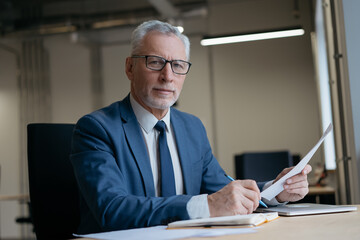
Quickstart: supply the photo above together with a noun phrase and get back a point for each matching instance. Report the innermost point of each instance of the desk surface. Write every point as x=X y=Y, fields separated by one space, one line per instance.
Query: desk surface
x=22 y=197
x=332 y=226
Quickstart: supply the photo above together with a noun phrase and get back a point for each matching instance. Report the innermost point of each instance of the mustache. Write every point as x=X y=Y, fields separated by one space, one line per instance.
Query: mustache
x=165 y=88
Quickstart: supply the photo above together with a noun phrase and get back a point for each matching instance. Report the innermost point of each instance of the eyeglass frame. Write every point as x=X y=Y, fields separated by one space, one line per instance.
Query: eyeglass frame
x=166 y=61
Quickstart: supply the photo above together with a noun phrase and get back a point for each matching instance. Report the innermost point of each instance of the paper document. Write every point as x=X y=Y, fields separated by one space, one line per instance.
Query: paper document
x=277 y=187
x=161 y=233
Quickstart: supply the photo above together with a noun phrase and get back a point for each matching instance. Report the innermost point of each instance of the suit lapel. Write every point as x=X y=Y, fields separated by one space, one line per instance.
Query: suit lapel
x=183 y=150
x=137 y=145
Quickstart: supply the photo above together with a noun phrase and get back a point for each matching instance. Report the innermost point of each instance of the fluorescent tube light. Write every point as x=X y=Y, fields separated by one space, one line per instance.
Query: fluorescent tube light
x=252 y=37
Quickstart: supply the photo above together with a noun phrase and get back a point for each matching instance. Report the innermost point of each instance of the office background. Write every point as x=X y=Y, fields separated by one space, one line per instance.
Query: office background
x=253 y=96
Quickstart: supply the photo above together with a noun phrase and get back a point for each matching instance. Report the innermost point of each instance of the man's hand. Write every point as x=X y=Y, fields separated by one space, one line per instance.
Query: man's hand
x=238 y=197
x=296 y=187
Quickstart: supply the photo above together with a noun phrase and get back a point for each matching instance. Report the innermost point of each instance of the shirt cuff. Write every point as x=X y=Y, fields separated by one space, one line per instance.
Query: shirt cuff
x=198 y=207
x=272 y=202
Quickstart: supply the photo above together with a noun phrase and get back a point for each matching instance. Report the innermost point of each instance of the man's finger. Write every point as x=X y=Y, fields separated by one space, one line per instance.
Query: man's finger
x=299 y=191
x=307 y=169
x=301 y=184
x=248 y=184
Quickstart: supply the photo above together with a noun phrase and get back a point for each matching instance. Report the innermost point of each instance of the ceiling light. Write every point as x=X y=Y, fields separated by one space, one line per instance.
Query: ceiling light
x=208 y=41
x=180 y=28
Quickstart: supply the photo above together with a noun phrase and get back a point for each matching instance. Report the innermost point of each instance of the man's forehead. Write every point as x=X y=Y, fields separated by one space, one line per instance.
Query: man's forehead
x=155 y=41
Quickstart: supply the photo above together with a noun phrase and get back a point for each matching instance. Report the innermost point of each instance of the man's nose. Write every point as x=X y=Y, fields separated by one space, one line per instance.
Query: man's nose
x=167 y=73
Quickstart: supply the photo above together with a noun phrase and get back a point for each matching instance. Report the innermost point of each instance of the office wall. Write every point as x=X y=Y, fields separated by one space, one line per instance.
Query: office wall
x=250 y=96
x=264 y=106
x=116 y=84
x=265 y=91
x=9 y=142
x=69 y=79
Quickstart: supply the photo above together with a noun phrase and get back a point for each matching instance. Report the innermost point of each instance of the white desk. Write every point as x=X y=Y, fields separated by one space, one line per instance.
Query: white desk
x=334 y=226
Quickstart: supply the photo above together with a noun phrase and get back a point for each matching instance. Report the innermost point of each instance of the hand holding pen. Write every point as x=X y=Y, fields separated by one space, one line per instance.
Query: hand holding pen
x=231 y=179
x=237 y=197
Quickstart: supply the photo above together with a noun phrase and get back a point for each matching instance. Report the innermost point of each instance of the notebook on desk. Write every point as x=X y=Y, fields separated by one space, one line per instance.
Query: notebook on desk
x=307 y=209
x=250 y=220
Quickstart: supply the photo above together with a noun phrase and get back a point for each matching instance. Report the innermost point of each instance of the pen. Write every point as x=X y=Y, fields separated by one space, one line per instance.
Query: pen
x=231 y=179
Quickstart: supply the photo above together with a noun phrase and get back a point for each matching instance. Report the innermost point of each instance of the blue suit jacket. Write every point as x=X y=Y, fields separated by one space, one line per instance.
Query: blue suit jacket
x=112 y=167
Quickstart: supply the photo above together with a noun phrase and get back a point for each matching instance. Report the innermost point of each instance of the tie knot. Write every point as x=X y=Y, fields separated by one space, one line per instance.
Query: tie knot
x=160 y=126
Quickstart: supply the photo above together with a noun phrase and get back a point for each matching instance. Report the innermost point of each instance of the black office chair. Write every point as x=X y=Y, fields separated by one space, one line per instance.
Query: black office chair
x=262 y=166
x=53 y=189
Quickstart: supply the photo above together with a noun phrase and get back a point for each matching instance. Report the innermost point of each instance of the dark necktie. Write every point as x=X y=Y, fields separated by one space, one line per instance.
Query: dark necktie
x=167 y=171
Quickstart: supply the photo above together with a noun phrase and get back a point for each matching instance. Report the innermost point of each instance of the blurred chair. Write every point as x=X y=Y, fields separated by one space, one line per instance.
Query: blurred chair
x=52 y=185
x=262 y=166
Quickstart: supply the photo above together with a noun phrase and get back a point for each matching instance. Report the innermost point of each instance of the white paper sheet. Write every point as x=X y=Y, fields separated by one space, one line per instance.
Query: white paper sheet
x=161 y=233
x=277 y=187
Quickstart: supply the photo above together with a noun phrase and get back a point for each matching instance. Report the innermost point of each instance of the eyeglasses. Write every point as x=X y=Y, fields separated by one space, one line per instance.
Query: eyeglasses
x=158 y=63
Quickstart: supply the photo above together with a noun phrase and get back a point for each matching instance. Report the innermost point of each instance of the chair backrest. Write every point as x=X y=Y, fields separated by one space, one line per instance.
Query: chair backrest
x=53 y=189
x=262 y=166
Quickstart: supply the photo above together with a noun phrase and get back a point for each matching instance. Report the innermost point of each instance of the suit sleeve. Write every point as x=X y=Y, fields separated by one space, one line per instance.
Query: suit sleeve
x=105 y=188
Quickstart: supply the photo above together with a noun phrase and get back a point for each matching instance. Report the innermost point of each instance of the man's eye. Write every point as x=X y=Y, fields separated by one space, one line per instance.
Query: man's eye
x=178 y=65
x=155 y=62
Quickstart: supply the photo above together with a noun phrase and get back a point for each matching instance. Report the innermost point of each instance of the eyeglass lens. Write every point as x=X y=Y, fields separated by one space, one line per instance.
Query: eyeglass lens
x=158 y=63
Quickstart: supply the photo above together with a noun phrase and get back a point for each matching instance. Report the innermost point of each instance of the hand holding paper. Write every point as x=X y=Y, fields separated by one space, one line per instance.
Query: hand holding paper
x=296 y=187
x=277 y=187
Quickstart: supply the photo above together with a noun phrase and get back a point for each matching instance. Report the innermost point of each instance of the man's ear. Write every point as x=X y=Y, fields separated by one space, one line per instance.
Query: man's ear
x=129 y=68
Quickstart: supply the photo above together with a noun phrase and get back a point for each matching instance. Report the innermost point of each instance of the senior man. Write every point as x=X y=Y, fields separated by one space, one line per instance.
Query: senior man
x=139 y=162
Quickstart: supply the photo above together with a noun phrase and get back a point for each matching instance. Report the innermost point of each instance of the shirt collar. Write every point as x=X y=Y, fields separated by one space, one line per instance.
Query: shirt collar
x=146 y=119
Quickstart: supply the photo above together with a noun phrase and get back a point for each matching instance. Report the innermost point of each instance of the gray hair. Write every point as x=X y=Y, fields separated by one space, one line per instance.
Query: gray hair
x=158 y=26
